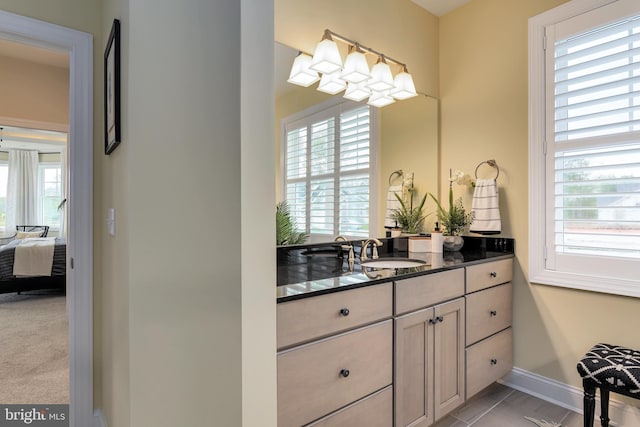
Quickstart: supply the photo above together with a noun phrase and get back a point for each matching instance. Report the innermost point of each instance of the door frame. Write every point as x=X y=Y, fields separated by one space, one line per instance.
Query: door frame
x=80 y=201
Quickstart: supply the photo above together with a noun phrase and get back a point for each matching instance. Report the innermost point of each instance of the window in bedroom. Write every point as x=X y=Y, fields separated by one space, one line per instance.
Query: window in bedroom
x=585 y=146
x=4 y=173
x=328 y=169
x=49 y=194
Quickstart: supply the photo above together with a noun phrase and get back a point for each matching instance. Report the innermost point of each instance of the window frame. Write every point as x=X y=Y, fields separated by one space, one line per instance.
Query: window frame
x=539 y=185
x=324 y=109
x=41 y=166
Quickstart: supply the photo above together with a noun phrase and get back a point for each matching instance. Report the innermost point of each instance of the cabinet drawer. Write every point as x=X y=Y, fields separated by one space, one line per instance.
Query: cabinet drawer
x=372 y=411
x=481 y=276
x=306 y=319
x=488 y=312
x=312 y=380
x=488 y=361
x=419 y=292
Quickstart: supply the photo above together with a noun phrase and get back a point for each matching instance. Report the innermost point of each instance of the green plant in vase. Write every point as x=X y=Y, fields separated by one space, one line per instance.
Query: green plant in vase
x=410 y=219
x=453 y=221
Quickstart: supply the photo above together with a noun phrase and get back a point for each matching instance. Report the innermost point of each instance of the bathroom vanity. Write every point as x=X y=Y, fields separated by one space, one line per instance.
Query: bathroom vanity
x=391 y=347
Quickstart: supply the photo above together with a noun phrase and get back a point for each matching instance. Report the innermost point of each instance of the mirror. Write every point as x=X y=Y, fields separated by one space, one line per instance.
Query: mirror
x=408 y=134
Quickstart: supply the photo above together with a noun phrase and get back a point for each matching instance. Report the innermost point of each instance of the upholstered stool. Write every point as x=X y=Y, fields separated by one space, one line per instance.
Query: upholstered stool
x=611 y=368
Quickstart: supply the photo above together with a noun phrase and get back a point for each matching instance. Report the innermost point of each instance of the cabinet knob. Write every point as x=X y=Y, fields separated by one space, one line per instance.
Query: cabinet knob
x=433 y=321
x=344 y=373
x=493 y=274
x=344 y=312
x=494 y=361
x=439 y=319
x=493 y=313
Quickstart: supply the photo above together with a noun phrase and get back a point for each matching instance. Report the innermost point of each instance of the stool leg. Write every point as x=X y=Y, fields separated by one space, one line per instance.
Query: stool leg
x=604 y=407
x=589 y=402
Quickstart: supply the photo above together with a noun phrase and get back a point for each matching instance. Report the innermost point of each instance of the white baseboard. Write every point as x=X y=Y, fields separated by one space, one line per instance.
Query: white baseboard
x=98 y=418
x=568 y=396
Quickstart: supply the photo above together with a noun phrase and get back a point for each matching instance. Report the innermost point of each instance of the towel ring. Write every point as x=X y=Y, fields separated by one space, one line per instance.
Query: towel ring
x=399 y=172
x=491 y=163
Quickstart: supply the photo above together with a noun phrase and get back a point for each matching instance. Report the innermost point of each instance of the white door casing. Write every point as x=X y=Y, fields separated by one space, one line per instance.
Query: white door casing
x=80 y=201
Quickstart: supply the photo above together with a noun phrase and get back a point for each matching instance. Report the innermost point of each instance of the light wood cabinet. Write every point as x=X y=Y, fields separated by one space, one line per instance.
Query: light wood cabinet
x=429 y=363
x=394 y=354
x=372 y=411
x=488 y=361
x=489 y=336
x=311 y=318
x=318 y=378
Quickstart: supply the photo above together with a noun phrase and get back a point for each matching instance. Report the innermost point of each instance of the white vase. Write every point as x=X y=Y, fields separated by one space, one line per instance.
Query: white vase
x=452 y=243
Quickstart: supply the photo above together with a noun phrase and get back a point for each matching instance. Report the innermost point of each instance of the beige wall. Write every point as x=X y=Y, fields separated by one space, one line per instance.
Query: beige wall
x=34 y=92
x=483 y=69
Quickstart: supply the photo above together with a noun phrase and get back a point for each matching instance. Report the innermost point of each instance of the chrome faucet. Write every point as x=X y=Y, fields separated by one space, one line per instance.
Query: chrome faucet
x=374 y=252
x=352 y=256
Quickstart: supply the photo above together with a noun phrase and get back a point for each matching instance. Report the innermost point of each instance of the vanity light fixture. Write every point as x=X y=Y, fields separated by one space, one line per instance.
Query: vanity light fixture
x=357 y=91
x=356 y=68
x=381 y=77
x=326 y=58
x=332 y=83
x=301 y=74
x=403 y=87
x=378 y=84
x=380 y=99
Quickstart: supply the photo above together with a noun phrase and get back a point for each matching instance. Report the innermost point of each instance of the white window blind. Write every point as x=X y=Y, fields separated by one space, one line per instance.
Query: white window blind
x=328 y=171
x=591 y=163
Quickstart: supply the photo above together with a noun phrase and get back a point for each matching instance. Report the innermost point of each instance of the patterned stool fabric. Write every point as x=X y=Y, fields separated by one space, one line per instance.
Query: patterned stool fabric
x=610 y=368
x=617 y=367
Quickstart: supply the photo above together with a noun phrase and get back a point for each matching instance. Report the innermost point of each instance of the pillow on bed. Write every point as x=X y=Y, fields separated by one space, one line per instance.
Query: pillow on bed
x=27 y=234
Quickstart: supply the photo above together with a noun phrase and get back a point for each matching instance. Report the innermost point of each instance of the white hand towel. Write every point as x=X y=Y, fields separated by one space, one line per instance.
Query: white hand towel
x=392 y=205
x=485 y=208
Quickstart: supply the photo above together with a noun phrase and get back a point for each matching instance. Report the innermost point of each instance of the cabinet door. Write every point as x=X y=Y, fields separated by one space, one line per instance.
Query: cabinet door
x=449 y=342
x=413 y=386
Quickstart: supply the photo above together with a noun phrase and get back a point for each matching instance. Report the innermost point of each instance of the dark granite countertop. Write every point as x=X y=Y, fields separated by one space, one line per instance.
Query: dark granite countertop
x=310 y=270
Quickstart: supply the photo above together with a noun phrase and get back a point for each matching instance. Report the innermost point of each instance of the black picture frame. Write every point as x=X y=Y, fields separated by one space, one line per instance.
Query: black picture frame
x=112 y=90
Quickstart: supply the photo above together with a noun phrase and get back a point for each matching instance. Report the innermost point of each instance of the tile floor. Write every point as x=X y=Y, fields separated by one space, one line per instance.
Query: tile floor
x=501 y=406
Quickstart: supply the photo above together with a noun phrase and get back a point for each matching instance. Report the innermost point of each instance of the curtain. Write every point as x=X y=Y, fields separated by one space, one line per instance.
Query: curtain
x=22 y=189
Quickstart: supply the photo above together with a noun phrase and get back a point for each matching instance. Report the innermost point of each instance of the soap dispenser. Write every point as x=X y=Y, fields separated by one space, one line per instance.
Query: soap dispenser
x=436 y=240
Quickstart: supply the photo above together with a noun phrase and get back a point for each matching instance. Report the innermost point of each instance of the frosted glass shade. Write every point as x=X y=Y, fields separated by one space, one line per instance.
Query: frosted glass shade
x=381 y=78
x=355 y=69
x=357 y=91
x=332 y=83
x=326 y=58
x=403 y=86
x=301 y=74
x=380 y=99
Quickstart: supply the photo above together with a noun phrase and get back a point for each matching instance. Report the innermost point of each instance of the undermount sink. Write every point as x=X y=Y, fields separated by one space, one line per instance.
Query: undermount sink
x=393 y=263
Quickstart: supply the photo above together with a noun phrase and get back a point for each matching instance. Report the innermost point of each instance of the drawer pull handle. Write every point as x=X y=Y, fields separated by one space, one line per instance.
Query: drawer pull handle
x=493 y=313
x=494 y=361
x=493 y=274
x=344 y=312
x=436 y=320
x=344 y=373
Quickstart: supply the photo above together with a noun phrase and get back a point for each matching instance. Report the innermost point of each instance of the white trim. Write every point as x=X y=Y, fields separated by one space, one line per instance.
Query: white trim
x=80 y=208
x=98 y=419
x=565 y=395
x=538 y=271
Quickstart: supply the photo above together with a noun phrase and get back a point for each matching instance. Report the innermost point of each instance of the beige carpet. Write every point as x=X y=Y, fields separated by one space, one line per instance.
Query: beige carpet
x=34 y=362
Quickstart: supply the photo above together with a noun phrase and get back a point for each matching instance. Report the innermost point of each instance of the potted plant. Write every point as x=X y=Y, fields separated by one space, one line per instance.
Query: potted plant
x=453 y=221
x=409 y=218
x=286 y=232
